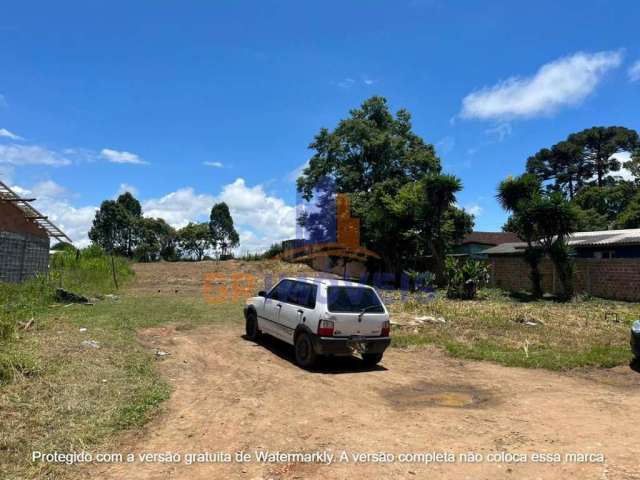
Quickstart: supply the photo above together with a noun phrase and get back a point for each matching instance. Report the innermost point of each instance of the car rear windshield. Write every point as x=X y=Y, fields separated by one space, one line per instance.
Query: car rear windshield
x=353 y=300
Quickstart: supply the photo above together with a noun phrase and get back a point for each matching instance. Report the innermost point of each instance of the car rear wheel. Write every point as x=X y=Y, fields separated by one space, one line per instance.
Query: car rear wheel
x=371 y=359
x=251 y=327
x=306 y=356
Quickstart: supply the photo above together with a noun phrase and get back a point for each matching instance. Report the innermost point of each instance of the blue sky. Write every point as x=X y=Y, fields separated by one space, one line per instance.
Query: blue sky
x=188 y=103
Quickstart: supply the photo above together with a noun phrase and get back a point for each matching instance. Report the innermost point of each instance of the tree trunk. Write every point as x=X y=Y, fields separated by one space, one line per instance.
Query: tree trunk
x=438 y=262
x=532 y=256
x=113 y=271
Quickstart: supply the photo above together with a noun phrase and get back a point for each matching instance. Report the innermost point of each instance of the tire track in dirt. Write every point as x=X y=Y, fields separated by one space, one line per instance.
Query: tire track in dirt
x=231 y=394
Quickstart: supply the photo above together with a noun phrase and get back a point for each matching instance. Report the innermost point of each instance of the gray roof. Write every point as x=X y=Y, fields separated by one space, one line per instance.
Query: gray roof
x=604 y=238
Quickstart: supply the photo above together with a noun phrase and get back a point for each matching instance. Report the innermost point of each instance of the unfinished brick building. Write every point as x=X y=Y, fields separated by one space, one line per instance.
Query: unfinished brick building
x=24 y=237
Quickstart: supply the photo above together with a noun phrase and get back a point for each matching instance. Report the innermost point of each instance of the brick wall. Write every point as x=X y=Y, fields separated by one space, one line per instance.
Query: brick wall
x=615 y=278
x=12 y=219
x=22 y=256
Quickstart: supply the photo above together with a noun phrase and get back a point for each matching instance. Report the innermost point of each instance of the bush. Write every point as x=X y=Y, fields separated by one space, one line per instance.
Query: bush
x=464 y=277
x=420 y=280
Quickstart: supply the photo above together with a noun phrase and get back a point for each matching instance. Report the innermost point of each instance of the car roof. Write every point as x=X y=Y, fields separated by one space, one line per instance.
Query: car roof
x=329 y=282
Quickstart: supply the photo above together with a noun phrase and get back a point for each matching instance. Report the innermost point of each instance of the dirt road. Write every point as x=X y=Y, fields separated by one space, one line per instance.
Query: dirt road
x=234 y=395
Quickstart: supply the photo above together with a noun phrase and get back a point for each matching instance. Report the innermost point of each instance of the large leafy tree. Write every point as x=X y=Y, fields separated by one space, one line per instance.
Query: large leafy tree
x=600 y=207
x=194 y=240
x=155 y=239
x=373 y=155
x=428 y=205
x=630 y=216
x=223 y=233
x=115 y=224
x=134 y=211
x=111 y=227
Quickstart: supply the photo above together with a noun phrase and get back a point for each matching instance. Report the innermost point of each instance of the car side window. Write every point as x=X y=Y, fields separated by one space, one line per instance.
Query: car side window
x=281 y=291
x=311 y=291
x=303 y=294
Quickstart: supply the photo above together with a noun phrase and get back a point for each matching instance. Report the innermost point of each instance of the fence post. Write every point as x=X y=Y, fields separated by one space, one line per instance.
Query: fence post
x=113 y=271
x=22 y=257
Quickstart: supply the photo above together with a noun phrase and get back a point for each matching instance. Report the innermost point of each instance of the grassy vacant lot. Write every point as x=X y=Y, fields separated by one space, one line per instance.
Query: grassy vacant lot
x=515 y=332
x=56 y=394
x=77 y=397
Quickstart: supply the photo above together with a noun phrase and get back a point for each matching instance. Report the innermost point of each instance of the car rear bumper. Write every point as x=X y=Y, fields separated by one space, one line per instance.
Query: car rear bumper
x=349 y=345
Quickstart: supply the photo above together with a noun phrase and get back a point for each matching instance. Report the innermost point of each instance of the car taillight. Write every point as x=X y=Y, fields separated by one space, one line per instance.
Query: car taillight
x=386 y=329
x=325 y=328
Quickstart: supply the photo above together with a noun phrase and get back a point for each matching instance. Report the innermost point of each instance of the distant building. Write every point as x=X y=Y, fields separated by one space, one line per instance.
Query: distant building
x=601 y=244
x=24 y=237
x=606 y=264
x=475 y=243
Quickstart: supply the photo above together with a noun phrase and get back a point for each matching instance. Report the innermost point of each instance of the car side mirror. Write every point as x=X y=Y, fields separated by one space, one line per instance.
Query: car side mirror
x=262 y=293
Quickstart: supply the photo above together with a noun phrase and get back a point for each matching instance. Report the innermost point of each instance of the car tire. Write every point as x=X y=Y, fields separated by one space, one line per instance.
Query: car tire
x=251 y=327
x=306 y=356
x=371 y=359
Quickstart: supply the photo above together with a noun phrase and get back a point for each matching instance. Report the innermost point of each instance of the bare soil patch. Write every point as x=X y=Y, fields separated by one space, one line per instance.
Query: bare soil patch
x=231 y=394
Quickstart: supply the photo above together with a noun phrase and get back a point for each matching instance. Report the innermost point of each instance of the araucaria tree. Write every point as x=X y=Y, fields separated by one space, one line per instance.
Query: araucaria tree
x=586 y=169
x=223 y=234
x=405 y=204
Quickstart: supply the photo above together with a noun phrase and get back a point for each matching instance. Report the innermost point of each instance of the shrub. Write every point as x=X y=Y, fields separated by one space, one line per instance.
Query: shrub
x=464 y=277
x=420 y=280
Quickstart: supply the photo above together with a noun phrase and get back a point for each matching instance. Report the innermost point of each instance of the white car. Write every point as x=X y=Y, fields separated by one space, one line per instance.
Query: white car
x=320 y=316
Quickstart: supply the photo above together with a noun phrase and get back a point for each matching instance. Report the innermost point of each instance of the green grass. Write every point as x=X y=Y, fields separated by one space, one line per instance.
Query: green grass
x=87 y=273
x=79 y=398
x=587 y=332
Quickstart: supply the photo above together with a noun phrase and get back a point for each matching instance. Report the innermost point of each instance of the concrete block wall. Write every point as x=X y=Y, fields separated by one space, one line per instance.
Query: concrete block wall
x=22 y=256
x=615 y=278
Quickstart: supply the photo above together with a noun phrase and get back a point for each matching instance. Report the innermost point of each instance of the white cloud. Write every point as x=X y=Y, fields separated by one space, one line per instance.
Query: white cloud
x=474 y=209
x=563 y=82
x=213 y=164
x=634 y=72
x=48 y=189
x=115 y=156
x=261 y=219
x=6 y=173
x=30 y=155
x=125 y=187
x=268 y=216
x=7 y=134
x=180 y=207
x=499 y=132
x=349 y=82
x=346 y=83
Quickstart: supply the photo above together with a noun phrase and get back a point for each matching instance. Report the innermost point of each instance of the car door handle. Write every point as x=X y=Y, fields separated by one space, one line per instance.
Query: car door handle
x=300 y=312
x=279 y=305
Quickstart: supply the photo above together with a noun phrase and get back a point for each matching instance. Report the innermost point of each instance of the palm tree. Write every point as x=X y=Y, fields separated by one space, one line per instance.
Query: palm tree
x=517 y=196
